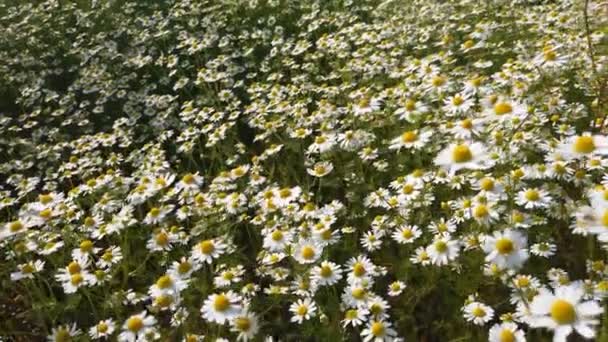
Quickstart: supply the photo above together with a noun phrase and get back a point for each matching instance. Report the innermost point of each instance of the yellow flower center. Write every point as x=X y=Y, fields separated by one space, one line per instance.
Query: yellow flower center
x=532 y=195
x=76 y=279
x=466 y=123
x=438 y=81
x=163 y=300
x=504 y=246
x=184 y=267
x=164 y=282
x=487 y=184
x=135 y=324
x=62 y=335
x=221 y=303
x=326 y=271
x=359 y=269
x=605 y=218
x=15 y=226
x=410 y=105
x=242 y=323
x=162 y=239
x=468 y=44
x=46 y=213
x=461 y=154
x=502 y=108
x=457 y=100
x=584 y=144
x=351 y=314
x=408 y=189
x=74 y=267
x=45 y=199
x=277 y=235
x=302 y=310
x=407 y=233
x=102 y=327
x=188 y=178
x=441 y=246
x=506 y=335
x=320 y=169
x=154 y=212
x=307 y=253
x=562 y=312
x=27 y=268
x=478 y=312
x=550 y=55
x=480 y=211
x=86 y=246
x=377 y=329
x=409 y=137
x=207 y=247
x=358 y=293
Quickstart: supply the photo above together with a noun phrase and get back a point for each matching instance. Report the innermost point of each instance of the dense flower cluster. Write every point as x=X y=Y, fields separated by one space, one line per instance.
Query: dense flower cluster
x=303 y=170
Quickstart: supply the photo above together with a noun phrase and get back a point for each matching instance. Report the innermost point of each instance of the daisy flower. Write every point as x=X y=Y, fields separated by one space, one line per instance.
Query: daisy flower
x=564 y=311
x=411 y=140
x=478 y=313
x=443 y=250
x=137 y=327
x=506 y=332
x=463 y=156
x=302 y=310
x=585 y=145
x=246 y=325
x=395 y=288
x=103 y=329
x=378 y=331
x=207 y=250
x=406 y=234
x=320 y=169
x=327 y=273
x=533 y=198
x=507 y=249
x=222 y=307
x=307 y=251
x=355 y=317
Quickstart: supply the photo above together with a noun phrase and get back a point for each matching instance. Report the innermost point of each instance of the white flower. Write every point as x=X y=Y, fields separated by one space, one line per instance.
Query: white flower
x=207 y=250
x=532 y=198
x=320 y=169
x=506 y=249
x=104 y=328
x=302 y=310
x=443 y=250
x=222 y=307
x=307 y=251
x=506 y=332
x=406 y=234
x=463 y=156
x=137 y=327
x=411 y=139
x=564 y=311
x=478 y=313
x=328 y=273
x=246 y=325
x=378 y=331
x=355 y=317
x=585 y=145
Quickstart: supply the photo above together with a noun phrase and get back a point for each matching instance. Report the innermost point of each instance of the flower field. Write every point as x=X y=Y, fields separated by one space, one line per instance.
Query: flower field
x=312 y=170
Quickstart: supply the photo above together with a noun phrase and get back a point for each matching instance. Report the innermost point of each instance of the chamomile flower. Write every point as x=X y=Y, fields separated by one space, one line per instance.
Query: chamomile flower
x=585 y=145
x=207 y=250
x=302 y=310
x=378 y=331
x=506 y=332
x=327 y=273
x=463 y=156
x=478 y=313
x=137 y=327
x=103 y=329
x=320 y=169
x=564 y=311
x=221 y=307
x=532 y=198
x=411 y=140
x=506 y=249
x=443 y=250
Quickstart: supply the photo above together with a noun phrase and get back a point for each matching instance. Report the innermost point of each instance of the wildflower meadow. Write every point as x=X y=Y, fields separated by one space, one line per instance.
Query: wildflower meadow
x=310 y=170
